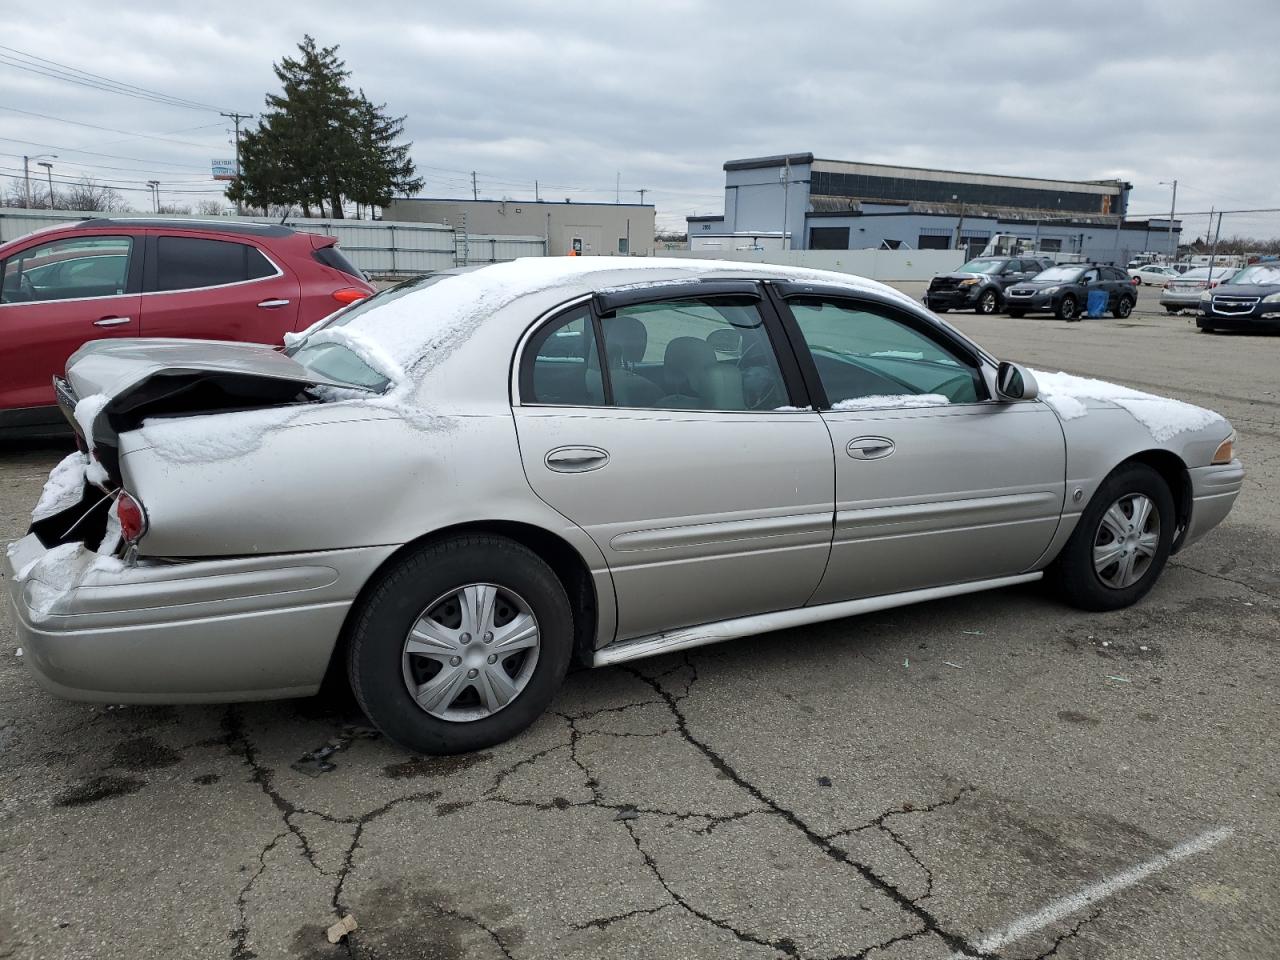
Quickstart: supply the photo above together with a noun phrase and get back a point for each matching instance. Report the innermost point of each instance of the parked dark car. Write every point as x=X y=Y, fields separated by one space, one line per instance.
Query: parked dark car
x=1248 y=301
x=980 y=284
x=145 y=277
x=1064 y=290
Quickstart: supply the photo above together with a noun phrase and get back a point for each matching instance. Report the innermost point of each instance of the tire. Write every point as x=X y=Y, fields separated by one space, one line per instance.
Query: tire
x=1208 y=330
x=988 y=303
x=1017 y=314
x=430 y=580
x=939 y=309
x=1067 y=309
x=1124 y=307
x=1074 y=571
x=1172 y=310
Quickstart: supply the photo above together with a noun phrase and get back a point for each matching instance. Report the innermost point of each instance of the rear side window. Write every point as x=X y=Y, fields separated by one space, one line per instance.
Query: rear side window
x=188 y=263
x=560 y=364
x=333 y=257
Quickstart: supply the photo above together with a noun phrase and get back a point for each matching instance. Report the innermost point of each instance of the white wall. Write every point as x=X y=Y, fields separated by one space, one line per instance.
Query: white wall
x=885 y=265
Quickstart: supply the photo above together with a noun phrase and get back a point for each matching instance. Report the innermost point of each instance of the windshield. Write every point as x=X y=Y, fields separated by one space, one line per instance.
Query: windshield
x=1061 y=274
x=1203 y=273
x=981 y=266
x=1269 y=275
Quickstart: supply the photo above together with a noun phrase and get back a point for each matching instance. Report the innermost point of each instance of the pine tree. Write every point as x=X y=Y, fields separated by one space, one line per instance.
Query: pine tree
x=320 y=143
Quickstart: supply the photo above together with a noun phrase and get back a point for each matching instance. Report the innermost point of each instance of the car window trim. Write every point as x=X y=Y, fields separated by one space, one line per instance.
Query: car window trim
x=133 y=276
x=781 y=343
x=153 y=260
x=782 y=291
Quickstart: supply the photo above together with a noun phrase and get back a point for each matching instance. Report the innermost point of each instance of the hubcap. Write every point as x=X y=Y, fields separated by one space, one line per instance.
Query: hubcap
x=453 y=678
x=989 y=303
x=1068 y=307
x=1126 y=541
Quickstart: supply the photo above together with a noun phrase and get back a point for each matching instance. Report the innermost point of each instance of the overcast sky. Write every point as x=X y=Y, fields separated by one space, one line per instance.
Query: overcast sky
x=575 y=94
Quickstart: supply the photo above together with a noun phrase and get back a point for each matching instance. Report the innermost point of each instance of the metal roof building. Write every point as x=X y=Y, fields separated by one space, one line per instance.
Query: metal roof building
x=801 y=202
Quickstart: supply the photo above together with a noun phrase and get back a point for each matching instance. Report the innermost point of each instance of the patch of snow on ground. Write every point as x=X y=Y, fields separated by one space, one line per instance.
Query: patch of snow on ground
x=884 y=402
x=1164 y=417
x=63 y=489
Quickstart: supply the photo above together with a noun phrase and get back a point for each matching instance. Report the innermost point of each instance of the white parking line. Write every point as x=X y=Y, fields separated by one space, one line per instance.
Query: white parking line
x=1033 y=922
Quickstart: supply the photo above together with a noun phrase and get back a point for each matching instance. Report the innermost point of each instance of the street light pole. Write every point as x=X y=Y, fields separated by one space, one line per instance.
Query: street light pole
x=786 y=186
x=48 y=169
x=1173 y=206
x=26 y=173
x=155 y=195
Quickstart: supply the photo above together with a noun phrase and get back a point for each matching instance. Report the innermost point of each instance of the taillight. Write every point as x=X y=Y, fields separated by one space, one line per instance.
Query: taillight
x=133 y=519
x=349 y=295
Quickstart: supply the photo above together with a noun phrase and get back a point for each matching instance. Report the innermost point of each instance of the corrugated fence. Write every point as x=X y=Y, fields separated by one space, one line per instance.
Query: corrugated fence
x=378 y=247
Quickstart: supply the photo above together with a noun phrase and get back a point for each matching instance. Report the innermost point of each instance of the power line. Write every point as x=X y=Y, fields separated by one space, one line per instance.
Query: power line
x=94 y=126
x=65 y=181
x=61 y=71
x=93 y=153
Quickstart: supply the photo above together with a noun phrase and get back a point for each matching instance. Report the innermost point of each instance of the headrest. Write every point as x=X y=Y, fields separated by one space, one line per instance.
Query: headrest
x=625 y=339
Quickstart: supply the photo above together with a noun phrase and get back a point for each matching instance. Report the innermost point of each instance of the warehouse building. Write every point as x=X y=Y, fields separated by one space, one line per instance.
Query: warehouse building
x=588 y=229
x=800 y=202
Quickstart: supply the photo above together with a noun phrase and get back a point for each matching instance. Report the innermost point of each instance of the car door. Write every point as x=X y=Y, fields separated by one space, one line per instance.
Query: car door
x=1117 y=283
x=683 y=455
x=216 y=289
x=57 y=295
x=935 y=482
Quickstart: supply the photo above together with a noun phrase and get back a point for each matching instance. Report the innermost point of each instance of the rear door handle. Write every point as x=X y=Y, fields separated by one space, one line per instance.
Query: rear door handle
x=272 y=304
x=576 y=459
x=869 y=448
x=112 y=321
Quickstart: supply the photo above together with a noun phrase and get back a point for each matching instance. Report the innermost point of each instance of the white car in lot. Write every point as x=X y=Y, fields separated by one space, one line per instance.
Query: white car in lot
x=1153 y=274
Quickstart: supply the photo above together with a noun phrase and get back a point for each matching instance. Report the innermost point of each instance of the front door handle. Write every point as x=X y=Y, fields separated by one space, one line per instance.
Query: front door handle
x=576 y=459
x=869 y=448
x=112 y=321
x=272 y=304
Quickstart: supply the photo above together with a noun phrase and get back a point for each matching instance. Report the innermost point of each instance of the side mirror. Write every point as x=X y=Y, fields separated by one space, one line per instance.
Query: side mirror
x=1015 y=382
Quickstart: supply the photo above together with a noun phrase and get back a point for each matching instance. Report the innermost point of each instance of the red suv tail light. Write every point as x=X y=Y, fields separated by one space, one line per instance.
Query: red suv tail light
x=133 y=519
x=348 y=295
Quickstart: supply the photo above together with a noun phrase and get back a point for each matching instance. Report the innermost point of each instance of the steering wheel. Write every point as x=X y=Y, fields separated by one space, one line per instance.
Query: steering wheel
x=756 y=356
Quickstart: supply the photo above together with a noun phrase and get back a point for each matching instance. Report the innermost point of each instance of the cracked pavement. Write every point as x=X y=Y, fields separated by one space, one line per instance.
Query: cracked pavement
x=894 y=787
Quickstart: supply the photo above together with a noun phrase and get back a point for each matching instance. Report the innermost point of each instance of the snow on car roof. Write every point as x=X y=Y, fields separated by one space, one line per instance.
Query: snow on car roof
x=415 y=328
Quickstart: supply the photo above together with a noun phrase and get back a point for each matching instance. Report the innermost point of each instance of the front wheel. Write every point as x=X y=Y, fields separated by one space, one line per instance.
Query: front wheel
x=460 y=645
x=1067 y=309
x=988 y=303
x=1123 y=308
x=1121 y=542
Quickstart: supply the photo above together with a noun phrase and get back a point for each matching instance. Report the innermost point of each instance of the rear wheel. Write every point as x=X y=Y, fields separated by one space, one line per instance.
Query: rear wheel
x=988 y=303
x=461 y=645
x=1067 y=309
x=1123 y=308
x=1121 y=543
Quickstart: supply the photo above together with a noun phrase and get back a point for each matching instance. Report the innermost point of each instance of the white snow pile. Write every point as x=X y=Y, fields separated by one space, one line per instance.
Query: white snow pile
x=891 y=401
x=63 y=489
x=87 y=410
x=1164 y=417
x=57 y=572
x=215 y=436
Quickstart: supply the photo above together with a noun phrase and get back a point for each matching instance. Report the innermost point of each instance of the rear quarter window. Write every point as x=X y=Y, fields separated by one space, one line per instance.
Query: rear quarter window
x=333 y=257
x=189 y=263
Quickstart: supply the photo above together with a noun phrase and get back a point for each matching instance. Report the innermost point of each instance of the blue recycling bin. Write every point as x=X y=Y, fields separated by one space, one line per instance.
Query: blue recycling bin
x=1097 y=303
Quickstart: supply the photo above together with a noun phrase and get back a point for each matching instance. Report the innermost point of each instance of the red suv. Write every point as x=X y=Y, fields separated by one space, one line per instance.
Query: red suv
x=152 y=278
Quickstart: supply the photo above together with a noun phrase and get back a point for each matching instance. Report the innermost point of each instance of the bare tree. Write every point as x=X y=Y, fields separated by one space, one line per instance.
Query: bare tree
x=89 y=195
x=16 y=195
x=174 y=209
x=210 y=208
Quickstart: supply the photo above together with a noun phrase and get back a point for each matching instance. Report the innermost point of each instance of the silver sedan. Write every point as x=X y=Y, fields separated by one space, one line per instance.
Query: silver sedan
x=454 y=489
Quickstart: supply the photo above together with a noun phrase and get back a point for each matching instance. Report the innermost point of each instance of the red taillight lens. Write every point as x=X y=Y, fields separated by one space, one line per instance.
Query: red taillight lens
x=349 y=295
x=133 y=519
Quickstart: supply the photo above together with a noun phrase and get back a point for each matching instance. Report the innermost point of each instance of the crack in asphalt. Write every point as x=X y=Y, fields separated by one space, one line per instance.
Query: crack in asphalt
x=929 y=921
x=1069 y=934
x=600 y=923
x=1182 y=564
x=240 y=935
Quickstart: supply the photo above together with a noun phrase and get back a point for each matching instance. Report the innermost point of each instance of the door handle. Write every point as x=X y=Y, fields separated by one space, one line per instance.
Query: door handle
x=272 y=304
x=576 y=459
x=112 y=321
x=870 y=448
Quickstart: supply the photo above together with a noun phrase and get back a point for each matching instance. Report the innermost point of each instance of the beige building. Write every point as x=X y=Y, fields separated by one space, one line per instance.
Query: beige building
x=592 y=229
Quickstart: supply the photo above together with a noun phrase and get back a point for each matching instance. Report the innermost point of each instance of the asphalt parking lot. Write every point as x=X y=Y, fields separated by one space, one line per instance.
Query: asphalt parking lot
x=994 y=775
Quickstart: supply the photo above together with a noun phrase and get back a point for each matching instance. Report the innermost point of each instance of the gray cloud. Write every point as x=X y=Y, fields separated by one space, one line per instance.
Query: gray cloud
x=663 y=93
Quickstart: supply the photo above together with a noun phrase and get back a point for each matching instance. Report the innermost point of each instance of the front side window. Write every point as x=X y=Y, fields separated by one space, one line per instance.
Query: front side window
x=867 y=358
x=704 y=354
x=68 y=269
x=189 y=263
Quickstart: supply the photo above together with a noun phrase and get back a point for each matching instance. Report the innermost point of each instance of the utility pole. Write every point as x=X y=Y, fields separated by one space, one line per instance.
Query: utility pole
x=26 y=178
x=235 y=118
x=536 y=198
x=48 y=168
x=155 y=195
x=475 y=194
x=617 y=188
x=1173 y=206
x=642 y=191
x=786 y=186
